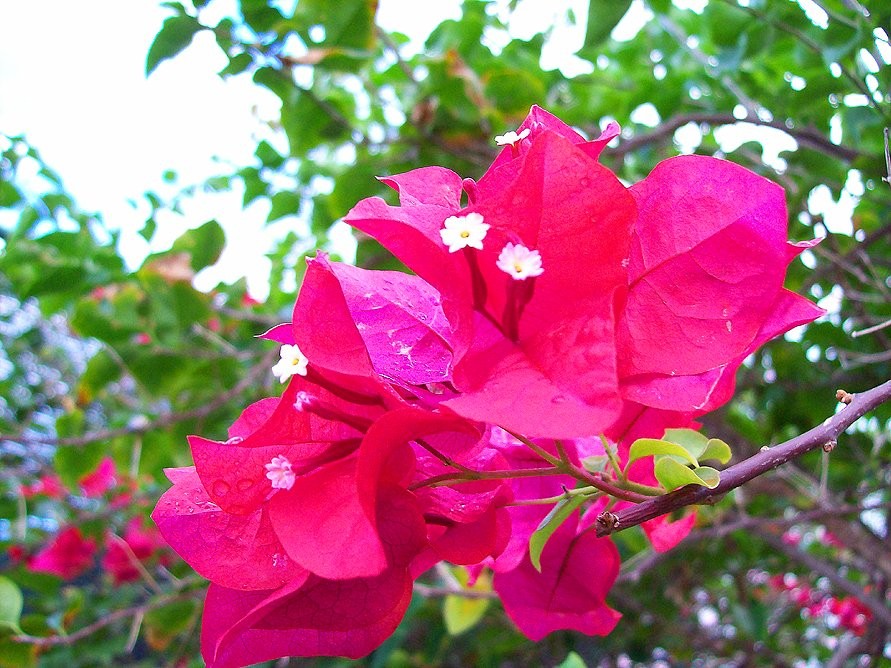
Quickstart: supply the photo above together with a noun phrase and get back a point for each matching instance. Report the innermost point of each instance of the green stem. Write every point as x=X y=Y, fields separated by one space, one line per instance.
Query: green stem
x=472 y=476
x=613 y=460
x=592 y=492
x=581 y=474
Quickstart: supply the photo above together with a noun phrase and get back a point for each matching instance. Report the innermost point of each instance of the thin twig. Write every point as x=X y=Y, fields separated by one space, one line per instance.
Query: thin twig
x=107 y=620
x=161 y=422
x=767 y=459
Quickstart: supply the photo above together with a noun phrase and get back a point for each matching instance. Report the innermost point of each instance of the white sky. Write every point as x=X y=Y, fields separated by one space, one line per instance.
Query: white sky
x=72 y=80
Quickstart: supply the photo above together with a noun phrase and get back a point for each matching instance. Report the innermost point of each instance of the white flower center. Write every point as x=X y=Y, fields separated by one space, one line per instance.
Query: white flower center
x=519 y=262
x=279 y=473
x=462 y=231
x=511 y=138
x=292 y=362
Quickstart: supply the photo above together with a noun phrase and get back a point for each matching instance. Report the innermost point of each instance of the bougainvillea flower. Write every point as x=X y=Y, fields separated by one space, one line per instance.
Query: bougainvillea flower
x=101 y=480
x=554 y=302
x=577 y=571
x=240 y=551
x=138 y=544
x=310 y=617
x=542 y=358
x=361 y=328
x=703 y=274
x=68 y=555
x=706 y=271
x=48 y=485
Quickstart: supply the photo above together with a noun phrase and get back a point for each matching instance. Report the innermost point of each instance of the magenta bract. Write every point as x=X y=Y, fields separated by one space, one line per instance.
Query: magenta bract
x=547 y=301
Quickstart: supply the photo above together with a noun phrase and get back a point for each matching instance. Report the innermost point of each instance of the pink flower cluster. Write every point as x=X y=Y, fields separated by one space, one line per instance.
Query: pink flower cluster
x=847 y=613
x=423 y=412
x=69 y=554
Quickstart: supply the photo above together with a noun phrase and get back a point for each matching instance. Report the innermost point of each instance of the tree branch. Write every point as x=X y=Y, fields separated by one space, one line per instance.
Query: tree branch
x=807 y=137
x=767 y=459
x=161 y=422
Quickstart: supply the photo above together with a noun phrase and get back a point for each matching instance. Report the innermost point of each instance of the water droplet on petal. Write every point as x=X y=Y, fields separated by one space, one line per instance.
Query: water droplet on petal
x=220 y=488
x=244 y=485
x=558 y=399
x=235 y=440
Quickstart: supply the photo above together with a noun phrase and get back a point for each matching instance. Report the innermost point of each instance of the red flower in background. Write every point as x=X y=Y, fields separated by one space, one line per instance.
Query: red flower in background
x=140 y=542
x=68 y=555
x=48 y=485
x=101 y=480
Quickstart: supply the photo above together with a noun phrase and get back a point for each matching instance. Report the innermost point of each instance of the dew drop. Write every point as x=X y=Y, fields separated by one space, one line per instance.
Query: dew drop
x=235 y=440
x=729 y=326
x=220 y=488
x=585 y=182
x=191 y=509
x=244 y=484
x=558 y=399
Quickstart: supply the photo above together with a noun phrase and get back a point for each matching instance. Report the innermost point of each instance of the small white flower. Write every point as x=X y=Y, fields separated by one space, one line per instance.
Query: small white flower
x=292 y=362
x=279 y=473
x=511 y=138
x=519 y=262
x=462 y=231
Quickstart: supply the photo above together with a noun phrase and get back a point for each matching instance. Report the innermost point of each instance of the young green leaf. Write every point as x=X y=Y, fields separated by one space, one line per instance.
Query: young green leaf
x=689 y=439
x=671 y=474
x=552 y=521
x=718 y=450
x=647 y=447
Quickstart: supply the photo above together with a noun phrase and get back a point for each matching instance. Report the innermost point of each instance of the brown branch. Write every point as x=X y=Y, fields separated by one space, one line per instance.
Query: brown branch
x=429 y=592
x=107 y=620
x=807 y=137
x=766 y=460
x=161 y=422
x=830 y=572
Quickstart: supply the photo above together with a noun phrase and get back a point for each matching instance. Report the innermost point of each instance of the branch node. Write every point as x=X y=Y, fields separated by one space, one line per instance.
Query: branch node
x=844 y=397
x=607 y=522
x=829 y=446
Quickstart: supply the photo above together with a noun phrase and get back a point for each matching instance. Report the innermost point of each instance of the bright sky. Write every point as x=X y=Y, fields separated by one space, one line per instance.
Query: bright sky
x=80 y=96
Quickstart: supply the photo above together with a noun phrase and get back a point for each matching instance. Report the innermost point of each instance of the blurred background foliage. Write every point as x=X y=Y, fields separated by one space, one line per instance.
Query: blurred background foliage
x=105 y=368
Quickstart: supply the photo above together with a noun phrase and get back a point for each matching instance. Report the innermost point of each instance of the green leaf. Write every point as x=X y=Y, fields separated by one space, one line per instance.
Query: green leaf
x=671 y=474
x=237 y=64
x=348 y=23
x=165 y=623
x=175 y=35
x=10 y=604
x=573 y=660
x=102 y=369
x=284 y=203
x=595 y=463
x=718 y=450
x=552 y=521
x=9 y=195
x=689 y=439
x=461 y=613
x=647 y=447
x=73 y=463
x=603 y=16
x=203 y=244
